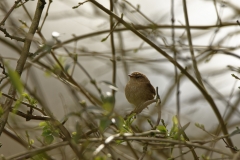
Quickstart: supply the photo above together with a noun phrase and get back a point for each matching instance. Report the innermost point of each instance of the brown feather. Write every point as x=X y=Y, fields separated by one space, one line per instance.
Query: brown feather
x=139 y=89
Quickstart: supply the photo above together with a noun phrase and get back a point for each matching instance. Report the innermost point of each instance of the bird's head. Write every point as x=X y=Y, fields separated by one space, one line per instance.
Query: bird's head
x=137 y=77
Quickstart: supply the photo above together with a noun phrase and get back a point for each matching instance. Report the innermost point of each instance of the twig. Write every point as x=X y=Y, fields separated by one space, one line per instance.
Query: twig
x=238 y=22
x=36 y=151
x=114 y=64
x=197 y=73
x=9 y=12
x=159 y=107
x=10 y=36
x=139 y=27
x=3 y=72
x=45 y=17
x=29 y=116
x=24 y=103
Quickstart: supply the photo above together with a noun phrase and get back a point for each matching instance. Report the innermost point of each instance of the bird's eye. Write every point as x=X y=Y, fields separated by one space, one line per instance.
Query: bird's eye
x=138 y=76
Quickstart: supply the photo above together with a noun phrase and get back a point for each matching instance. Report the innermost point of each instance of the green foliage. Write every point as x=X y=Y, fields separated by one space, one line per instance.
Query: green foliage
x=108 y=103
x=104 y=39
x=162 y=129
x=29 y=99
x=15 y=79
x=1 y=110
x=201 y=126
x=43 y=48
x=205 y=157
x=29 y=140
x=174 y=130
x=100 y=158
x=78 y=133
x=41 y=156
x=49 y=132
x=104 y=123
x=237 y=131
x=128 y=122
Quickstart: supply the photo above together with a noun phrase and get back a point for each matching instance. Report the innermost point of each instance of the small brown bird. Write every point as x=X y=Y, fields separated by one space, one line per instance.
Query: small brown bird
x=139 y=89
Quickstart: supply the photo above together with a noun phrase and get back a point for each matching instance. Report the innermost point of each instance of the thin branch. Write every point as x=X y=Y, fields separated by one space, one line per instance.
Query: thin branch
x=36 y=151
x=139 y=27
x=197 y=73
x=24 y=103
x=29 y=117
x=114 y=64
x=45 y=17
x=10 y=36
x=9 y=12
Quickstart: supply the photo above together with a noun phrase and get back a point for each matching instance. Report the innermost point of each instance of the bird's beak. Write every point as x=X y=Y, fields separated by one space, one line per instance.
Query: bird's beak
x=130 y=75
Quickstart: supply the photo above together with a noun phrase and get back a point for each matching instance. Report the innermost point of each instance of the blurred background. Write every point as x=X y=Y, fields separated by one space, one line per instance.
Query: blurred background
x=78 y=33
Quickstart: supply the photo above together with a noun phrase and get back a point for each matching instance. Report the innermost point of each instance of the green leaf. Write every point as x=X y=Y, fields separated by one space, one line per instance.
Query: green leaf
x=201 y=126
x=41 y=156
x=1 y=111
x=174 y=129
x=104 y=123
x=43 y=48
x=104 y=39
x=162 y=129
x=108 y=103
x=31 y=142
x=175 y=120
x=29 y=99
x=15 y=79
x=48 y=139
x=46 y=133
x=100 y=158
x=42 y=124
x=119 y=121
x=237 y=131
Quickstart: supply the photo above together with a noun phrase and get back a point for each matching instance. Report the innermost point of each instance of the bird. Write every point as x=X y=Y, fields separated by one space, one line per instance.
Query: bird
x=139 y=89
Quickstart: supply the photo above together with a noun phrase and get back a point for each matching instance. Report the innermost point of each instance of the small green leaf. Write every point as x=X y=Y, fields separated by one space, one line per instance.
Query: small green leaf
x=104 y=39
x=31 y=142
x=1 y=110
x=74 y=133
x=43 y=48
x=15 y=79
x=108 y=102
x=175 y=120
x=42 y=124
x=100 y=158
x=48 y=139
x=66 y=67
x=201 y=126
x=46 y=133
x=237 y=131
x=104 y=123
x=162 y=129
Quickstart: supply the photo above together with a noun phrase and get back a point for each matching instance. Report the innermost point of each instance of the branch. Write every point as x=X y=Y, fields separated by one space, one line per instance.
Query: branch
x=29 y=116
x=10 y=36
x=21 y=62
x=9 y=12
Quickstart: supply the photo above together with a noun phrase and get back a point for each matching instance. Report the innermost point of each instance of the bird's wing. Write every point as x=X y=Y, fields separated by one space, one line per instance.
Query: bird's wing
x=152 y=89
